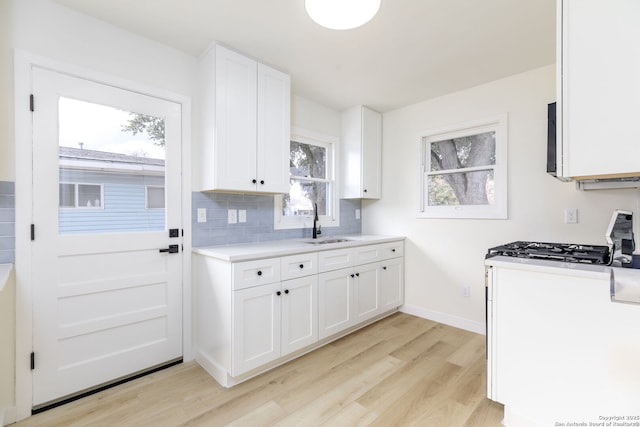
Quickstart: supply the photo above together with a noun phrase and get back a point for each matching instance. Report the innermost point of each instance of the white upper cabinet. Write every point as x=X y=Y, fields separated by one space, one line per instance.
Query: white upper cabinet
x=599 y=88
x=361 y=153
x=245 y=123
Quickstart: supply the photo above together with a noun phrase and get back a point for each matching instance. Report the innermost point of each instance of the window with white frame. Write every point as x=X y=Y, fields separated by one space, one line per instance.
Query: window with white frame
x=87 y=196
x=154 y=197
x=312 y=179
x=464 y=170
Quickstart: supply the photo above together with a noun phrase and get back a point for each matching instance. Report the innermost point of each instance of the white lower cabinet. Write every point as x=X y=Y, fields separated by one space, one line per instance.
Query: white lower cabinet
x=255 y=314
x=271 y=321
x=335 y=302
x=256 y=327
x=391 y=283
x=299 y=313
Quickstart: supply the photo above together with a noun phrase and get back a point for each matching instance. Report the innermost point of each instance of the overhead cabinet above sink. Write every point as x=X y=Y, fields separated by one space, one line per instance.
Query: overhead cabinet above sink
x=245 y=108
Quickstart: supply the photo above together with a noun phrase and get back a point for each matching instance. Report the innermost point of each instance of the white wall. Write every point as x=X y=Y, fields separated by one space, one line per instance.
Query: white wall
x=444 y=255
x=6 y=89
x=310 y=115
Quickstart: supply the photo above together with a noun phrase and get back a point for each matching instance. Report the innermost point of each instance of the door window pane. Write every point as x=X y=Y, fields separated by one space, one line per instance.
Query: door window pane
x=108 y=158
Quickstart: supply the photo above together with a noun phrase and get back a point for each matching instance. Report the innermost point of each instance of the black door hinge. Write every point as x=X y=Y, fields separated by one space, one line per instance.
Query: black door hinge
x=33 y=232
x=31 y=103
x=33 y=361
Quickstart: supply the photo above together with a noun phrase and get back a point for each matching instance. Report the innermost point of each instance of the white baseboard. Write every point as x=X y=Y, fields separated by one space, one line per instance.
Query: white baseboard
x=7 y=416
x=447 y=319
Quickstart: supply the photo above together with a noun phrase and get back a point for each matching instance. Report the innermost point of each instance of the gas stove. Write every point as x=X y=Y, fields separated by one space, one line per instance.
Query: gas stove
x=565 y=252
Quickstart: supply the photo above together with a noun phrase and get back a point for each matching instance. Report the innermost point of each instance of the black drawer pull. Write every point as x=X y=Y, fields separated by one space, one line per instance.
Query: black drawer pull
x=301 y=266
x=393 y=250
x=286 y=291
x=358 y=274
x=278 y=293
x=259 y=273
x=353 y=275
x=253 y=181
x=262 y=181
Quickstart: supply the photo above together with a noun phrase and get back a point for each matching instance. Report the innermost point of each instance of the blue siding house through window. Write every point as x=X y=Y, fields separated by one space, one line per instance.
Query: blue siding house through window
x=124 y=206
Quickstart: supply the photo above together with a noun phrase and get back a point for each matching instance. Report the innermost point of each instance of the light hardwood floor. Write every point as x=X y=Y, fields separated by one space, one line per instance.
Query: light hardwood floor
x=400 y=371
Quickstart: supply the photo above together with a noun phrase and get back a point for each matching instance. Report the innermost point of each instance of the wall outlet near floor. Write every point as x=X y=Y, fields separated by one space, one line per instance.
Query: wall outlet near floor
x=466 y=291
x=571 y=215
x=242 y=215
x=202 y=214
x=232 y=216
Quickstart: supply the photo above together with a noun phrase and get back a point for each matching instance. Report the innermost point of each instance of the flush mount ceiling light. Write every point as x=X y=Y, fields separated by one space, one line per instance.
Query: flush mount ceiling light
x=341 y=14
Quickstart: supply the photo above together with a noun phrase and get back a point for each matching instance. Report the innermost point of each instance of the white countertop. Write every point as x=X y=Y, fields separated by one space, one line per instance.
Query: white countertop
x=624 y=282
x=276 y=248
x=5 y=270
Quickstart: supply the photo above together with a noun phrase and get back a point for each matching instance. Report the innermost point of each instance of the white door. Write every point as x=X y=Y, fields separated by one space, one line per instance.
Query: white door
x=107 y=302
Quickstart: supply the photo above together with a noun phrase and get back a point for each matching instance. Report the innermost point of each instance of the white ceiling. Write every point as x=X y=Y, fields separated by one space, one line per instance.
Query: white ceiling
x=411 y=51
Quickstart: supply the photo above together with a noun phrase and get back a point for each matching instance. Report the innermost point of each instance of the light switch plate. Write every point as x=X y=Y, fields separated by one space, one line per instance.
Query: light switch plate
x=202 y=214
x=571 y=216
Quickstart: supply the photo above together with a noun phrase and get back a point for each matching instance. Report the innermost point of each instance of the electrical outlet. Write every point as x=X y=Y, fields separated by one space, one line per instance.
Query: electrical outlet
x=232 y=216
x=202 y=214
x=571 y=216
x=357 y=213
x=466 y=291
x=242 y=215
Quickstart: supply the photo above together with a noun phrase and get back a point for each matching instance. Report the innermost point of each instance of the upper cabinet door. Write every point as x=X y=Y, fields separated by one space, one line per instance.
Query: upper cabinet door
x=274 y=128
x=236 y=121
x=361 y=153
x=599 y=89
x=371 y=153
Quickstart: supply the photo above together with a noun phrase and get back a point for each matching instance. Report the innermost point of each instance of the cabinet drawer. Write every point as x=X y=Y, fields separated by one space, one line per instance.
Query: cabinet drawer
x=253 y=273
x=294 y=266
x=391 y=250
x=333 y=260
x=367 y=254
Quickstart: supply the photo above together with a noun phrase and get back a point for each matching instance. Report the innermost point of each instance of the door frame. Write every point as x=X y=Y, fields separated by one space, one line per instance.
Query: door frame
x=23 y=132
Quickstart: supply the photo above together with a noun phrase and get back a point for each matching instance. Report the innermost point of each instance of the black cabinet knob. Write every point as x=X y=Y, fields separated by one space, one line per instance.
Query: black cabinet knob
x=384 y=268
x=301 y=265
x=353 y=275
x=393 y=250
x=286 y=291
x=259 y=273
x=253 y=181
x=262 y=181
x=365 y=190
x=358 y=274
x=278 y=293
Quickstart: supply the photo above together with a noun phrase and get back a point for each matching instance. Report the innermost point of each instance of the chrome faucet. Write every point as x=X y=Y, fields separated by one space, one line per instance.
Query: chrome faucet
x=316 y=226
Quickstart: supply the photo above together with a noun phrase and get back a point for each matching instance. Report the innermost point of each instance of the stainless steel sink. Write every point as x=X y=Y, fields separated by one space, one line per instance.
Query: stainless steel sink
x=325 y=241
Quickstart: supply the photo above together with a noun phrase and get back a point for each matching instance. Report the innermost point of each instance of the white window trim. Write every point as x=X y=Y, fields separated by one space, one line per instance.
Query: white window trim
x=282 y=222
x=76 y=184
x=146 y=197
x=496 y=211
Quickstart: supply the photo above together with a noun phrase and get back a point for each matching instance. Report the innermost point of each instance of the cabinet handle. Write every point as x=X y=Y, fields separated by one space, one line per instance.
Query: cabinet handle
x=286 y=291
x=384 y=268
x=278 y=293
x=253 y=181
x=365 y=190
x=259 y=272
x=393 y=250
x=301 y=266
x=262 y=181
x=358 y=274
x=353 y=275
